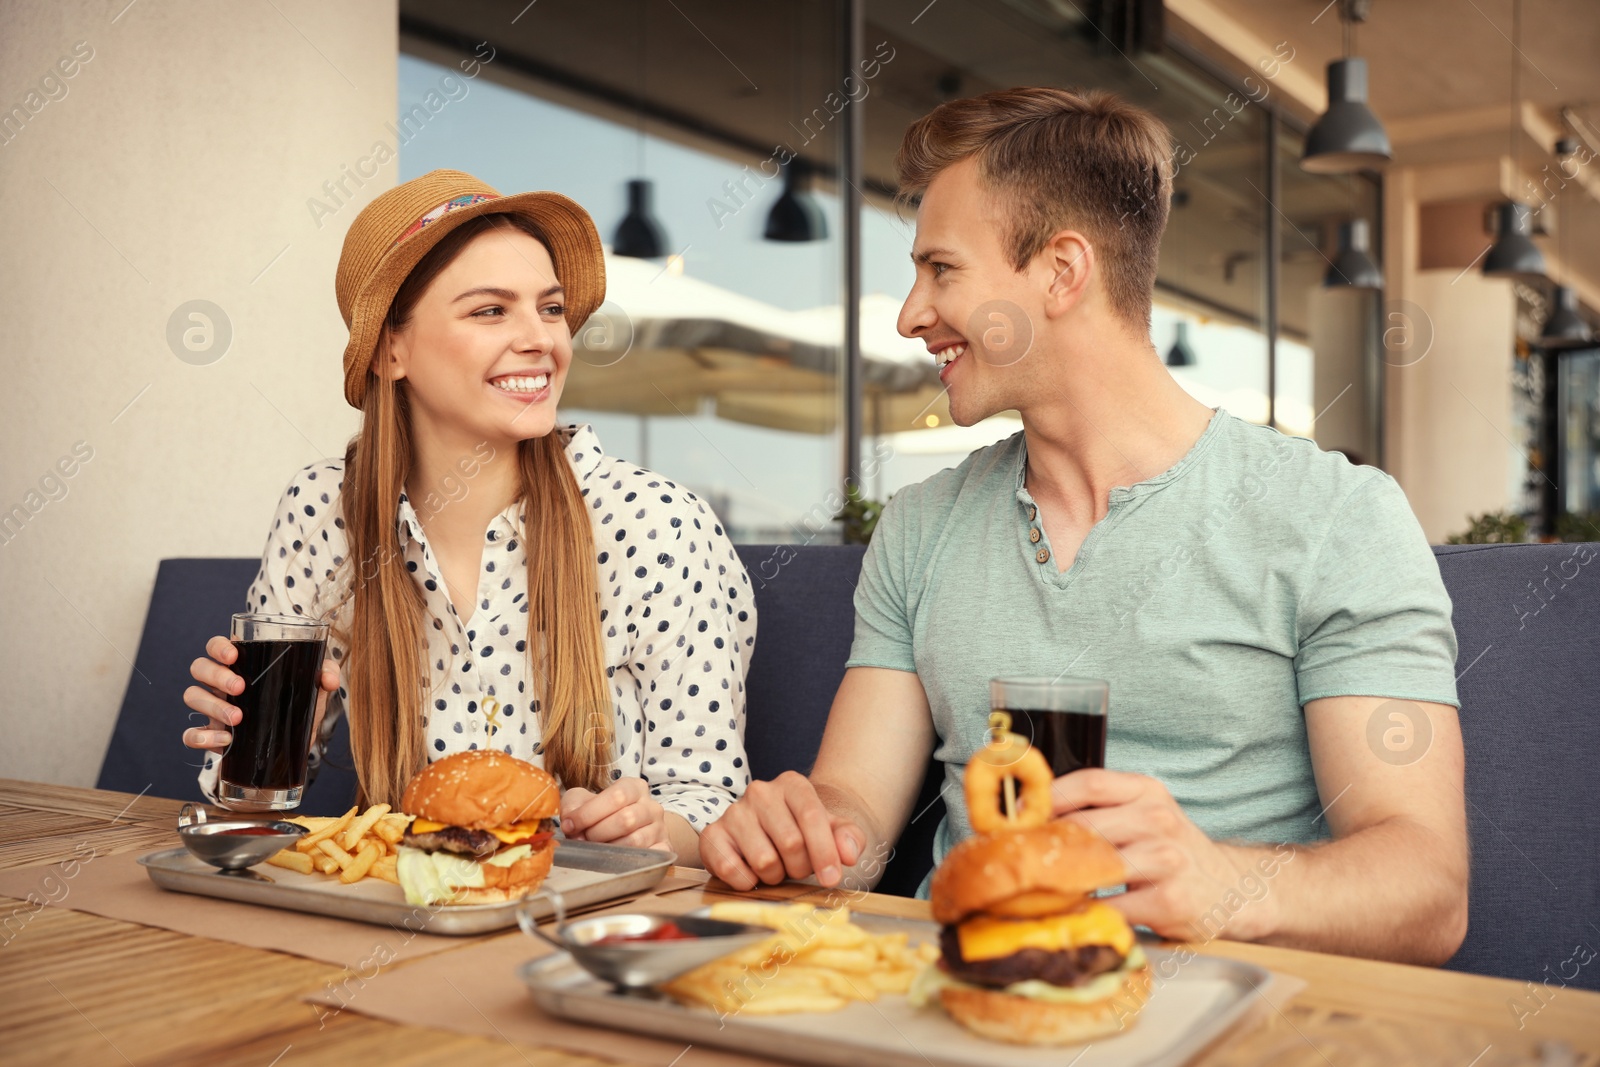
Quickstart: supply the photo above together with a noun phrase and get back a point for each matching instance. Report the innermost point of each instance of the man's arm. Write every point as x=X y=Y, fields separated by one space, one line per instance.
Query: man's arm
x=854 y=804
x=1392 y=884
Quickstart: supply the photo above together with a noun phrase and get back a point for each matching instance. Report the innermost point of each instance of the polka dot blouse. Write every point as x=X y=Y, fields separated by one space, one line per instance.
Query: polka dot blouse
x=677 y=622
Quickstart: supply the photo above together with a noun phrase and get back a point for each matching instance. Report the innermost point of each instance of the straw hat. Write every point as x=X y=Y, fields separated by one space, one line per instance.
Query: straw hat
x=397 y=229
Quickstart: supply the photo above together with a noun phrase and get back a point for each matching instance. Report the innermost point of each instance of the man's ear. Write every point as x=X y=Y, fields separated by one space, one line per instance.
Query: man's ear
x=1068 y=262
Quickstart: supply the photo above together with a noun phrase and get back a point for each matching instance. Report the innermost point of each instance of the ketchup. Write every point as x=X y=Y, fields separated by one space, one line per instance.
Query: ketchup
x=667 y=931
x=252 y=830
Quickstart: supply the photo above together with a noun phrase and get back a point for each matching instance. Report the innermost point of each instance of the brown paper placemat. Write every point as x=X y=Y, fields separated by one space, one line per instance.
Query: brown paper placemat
x=477 y=991
x=117 y=887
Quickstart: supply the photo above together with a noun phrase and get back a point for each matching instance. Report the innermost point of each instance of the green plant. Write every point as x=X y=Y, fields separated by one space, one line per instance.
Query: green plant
x=859 y=515
x=1492 y=528
x=1573 y=527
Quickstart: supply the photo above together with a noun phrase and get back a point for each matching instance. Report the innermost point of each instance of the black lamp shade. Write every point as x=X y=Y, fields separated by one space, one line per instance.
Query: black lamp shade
x=1180 y=354
x=1565 y=327
x=1352 y=266
x=1514 y=254
x=796 y=217
x=639 y=234
x=1349 y=136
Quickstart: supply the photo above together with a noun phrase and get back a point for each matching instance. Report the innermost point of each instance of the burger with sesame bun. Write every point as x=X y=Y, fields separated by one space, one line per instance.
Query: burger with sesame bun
x=483 y=832
x=1027 y=954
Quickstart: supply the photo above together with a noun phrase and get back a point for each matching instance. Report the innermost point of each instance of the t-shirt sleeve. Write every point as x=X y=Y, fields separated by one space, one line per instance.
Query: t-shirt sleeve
x=883 y=616
x=1374 y=617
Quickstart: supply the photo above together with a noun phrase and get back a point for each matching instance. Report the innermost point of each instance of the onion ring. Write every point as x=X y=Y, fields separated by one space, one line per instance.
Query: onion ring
x=987 y=771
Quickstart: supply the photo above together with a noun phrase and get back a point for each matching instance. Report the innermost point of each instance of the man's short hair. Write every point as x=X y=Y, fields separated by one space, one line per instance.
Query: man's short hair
x=1059 y=159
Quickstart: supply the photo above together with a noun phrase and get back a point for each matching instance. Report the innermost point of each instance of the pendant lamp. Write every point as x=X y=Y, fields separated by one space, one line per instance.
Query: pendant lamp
x=1352 y=266
x=1514 y=255
x=1348 y=137
x=796 y=216
x=1180 y=354
x=1565 y=328
x=639 y=235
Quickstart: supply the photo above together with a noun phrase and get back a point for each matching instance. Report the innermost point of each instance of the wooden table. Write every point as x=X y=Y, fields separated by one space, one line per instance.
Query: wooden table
x=83 y=989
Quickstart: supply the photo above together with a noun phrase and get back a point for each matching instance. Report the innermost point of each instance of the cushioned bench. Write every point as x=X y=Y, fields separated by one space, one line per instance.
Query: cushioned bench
x=1527 y=616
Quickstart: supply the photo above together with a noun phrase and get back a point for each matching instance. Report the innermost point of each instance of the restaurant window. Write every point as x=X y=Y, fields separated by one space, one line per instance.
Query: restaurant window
x=733 y=377
x=1579 y=378
x=715 y=362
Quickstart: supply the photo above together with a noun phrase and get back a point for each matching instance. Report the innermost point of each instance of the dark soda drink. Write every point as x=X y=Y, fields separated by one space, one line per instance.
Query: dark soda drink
x=1068 y=740
x=273 y=738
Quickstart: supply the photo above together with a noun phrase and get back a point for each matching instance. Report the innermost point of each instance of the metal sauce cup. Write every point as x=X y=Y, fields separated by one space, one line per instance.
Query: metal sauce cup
x=209 y=840
x=638 y=964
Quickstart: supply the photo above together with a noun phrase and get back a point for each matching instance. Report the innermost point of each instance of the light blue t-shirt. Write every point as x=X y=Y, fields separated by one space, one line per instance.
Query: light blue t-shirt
x=1255 y=575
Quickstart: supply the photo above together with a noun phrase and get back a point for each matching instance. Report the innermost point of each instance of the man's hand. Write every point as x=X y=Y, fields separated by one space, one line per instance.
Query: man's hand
x=1176 y=874
x=780 y=829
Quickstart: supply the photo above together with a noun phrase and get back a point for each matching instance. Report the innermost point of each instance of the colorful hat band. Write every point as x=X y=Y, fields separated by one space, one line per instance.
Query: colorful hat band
x=441 y=211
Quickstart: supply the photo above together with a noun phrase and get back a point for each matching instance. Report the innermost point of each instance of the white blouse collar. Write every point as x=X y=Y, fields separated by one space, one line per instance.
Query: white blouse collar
x=583 y=452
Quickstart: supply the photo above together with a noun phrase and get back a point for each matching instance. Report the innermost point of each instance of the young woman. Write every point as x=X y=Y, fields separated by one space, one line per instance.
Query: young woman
x=493 y=579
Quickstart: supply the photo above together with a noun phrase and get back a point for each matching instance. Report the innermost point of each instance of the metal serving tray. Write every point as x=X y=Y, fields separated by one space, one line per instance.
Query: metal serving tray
x=1192 y=1003
x=584 y=873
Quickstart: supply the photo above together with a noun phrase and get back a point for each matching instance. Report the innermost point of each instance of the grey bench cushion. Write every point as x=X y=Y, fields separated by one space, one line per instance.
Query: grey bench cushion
x=1529 y=682
x=1527 y=617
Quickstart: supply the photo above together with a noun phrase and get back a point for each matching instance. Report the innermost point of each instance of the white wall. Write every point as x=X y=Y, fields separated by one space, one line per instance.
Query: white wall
x=1452 y=406
x=177 y=166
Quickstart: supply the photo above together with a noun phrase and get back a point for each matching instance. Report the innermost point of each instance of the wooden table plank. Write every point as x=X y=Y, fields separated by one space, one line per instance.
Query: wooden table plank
x=68 y=980
x=102 y=839
x=1374 y=990
x=97 y=803
x=45 y=825
x=156 y=996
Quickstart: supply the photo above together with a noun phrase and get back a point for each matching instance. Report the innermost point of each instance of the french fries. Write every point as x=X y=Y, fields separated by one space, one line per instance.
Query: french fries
x=384 y=868
x=294 y=861
x=353 y=846
x=340 y=856
x=358 y=829
x=316 y=837
x=361 y=864
x=816 y=961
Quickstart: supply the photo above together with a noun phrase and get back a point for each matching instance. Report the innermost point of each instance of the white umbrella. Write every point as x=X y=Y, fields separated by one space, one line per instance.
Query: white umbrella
x=666 y=343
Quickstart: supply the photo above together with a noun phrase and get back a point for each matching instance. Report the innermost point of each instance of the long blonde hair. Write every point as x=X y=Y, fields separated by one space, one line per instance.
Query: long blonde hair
x=387 y=660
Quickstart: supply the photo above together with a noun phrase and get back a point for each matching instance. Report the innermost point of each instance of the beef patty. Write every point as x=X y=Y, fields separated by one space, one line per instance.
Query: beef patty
x=479 y=844
x=1063 y=967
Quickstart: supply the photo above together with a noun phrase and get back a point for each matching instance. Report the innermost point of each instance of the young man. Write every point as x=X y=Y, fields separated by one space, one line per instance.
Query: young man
x=1277 y=638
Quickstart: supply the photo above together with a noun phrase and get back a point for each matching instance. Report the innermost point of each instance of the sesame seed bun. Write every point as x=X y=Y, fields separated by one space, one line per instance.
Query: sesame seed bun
x=482 y=790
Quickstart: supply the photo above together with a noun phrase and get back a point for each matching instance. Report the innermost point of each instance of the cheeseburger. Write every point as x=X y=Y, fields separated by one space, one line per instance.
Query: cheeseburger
x=483 y=833
x=1027 y=954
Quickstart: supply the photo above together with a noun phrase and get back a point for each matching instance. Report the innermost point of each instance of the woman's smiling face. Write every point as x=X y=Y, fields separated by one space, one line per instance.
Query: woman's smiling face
x=487 y=348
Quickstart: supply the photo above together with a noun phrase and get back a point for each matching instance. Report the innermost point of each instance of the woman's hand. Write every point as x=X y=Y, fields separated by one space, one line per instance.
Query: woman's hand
x=216 y=681
x=624 y=813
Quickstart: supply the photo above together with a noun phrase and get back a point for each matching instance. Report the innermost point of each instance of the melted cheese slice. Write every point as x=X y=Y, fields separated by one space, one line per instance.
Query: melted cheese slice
x=509 y=834
x=517 y=831
x=986 y=938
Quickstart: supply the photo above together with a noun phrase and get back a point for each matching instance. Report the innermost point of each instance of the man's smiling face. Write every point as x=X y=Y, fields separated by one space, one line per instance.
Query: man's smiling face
x=973 y=310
